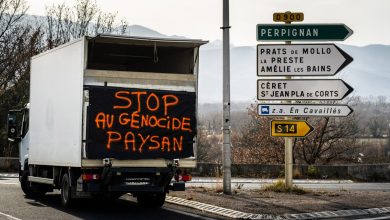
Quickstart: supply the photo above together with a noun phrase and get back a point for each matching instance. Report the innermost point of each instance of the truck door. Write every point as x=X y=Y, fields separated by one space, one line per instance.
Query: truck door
x=18 y=126
x=129 y=123
x=142 y=97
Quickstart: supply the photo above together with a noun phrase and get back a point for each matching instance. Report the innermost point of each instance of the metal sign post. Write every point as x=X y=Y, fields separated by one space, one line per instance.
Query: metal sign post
x=226 y=154
x=288 y=144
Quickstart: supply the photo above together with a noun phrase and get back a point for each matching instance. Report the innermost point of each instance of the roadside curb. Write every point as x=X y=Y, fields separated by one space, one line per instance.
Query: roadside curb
x=243 y=215
x=268 y=181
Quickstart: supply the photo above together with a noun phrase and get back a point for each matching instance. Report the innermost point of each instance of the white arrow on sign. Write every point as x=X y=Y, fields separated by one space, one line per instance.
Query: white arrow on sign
x=300 y=59
x=304 y=110
x=302 y=89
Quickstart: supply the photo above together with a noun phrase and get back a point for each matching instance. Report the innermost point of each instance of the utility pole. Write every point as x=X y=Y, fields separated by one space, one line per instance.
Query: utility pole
x=226 y=152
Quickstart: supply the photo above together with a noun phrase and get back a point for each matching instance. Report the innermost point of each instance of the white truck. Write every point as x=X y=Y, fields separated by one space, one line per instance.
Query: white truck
x=109 y=115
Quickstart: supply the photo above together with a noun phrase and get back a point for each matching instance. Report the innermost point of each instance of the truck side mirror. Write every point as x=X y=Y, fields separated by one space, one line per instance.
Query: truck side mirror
x=13 y=133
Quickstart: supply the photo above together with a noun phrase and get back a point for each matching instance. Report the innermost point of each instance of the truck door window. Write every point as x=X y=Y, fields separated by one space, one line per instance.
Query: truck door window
x=25 y=124
x=12 y=125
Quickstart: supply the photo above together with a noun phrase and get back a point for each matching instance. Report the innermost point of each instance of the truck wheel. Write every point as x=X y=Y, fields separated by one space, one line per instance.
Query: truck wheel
x=66 y=192
x=26 y=187
x=151 y=200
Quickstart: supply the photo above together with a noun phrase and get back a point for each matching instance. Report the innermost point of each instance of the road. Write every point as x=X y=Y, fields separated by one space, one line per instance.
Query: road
x=14 y=205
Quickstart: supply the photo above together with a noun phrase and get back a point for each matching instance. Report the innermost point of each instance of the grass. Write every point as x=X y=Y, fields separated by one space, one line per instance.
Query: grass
x=280 y=186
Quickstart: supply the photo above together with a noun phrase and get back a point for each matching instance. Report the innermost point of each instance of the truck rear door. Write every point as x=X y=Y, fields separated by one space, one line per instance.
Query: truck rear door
x=130 y=123
x=141 y=98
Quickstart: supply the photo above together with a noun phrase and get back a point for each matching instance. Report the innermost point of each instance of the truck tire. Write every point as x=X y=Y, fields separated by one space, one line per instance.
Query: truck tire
x=26 y=187
x=66 y=192
x=151 y=200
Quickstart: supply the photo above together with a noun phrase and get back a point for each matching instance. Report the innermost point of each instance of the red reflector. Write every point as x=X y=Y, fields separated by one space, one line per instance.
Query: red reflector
x=89 y=177
x=186 y=178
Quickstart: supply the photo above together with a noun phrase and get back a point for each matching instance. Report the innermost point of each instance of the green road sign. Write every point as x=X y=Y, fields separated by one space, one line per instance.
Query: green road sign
x=303 y=32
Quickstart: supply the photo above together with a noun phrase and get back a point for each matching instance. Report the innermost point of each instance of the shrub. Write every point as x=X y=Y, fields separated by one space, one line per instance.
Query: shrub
x=280 y=186
x=312 y=171
x=281 y=173
x=297 y=173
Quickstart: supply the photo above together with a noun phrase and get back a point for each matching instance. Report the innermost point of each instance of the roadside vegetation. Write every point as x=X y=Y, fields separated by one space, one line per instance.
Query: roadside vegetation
x=280 y=186
x=363 y=137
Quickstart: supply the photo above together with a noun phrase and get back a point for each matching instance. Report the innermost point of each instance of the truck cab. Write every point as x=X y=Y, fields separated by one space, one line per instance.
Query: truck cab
x=18 y=126
x=109 y=115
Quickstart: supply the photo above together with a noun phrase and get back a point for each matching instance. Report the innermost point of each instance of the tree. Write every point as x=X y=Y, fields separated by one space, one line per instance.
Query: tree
x=18 y=42
x=66 y=23
x=254 y=144
x=378 y=123
x=208 y=148
x=333 y=139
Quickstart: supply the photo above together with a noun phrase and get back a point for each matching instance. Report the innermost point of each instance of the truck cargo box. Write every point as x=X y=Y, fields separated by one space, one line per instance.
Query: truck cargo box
x=130 y=99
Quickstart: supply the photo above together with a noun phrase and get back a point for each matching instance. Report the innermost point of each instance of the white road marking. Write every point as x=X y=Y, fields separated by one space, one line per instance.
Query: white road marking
x=378 y=218
x=243 y=215
x=9 y=183
x=9 y=216
x=188 y=214
x=207 y=207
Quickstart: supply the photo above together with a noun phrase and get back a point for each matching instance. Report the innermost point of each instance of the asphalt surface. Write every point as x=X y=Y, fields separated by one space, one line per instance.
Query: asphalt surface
x=254 y=183
x=14 y=205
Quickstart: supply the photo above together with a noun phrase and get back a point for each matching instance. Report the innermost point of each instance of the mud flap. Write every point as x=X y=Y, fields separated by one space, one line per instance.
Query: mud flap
x=179 y=186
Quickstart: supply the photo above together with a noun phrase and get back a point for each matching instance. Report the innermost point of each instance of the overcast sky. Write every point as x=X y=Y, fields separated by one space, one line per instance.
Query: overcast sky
x=201 y=19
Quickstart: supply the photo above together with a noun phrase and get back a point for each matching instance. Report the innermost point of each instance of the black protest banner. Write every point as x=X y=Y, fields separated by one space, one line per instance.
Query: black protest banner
x=140 y=124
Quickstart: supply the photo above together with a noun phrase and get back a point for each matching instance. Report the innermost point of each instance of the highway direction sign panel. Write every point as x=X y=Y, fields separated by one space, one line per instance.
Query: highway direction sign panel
x=303 y=32
x=300 y=60
x=302 y=89
x=288 y=17
x=303 y=110
x=290 y=128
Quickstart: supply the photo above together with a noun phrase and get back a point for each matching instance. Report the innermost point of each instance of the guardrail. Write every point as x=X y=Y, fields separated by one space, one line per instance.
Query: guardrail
x=362 y=172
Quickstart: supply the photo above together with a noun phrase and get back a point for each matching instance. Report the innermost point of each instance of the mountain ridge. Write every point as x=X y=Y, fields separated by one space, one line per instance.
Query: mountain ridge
x=368 y=74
